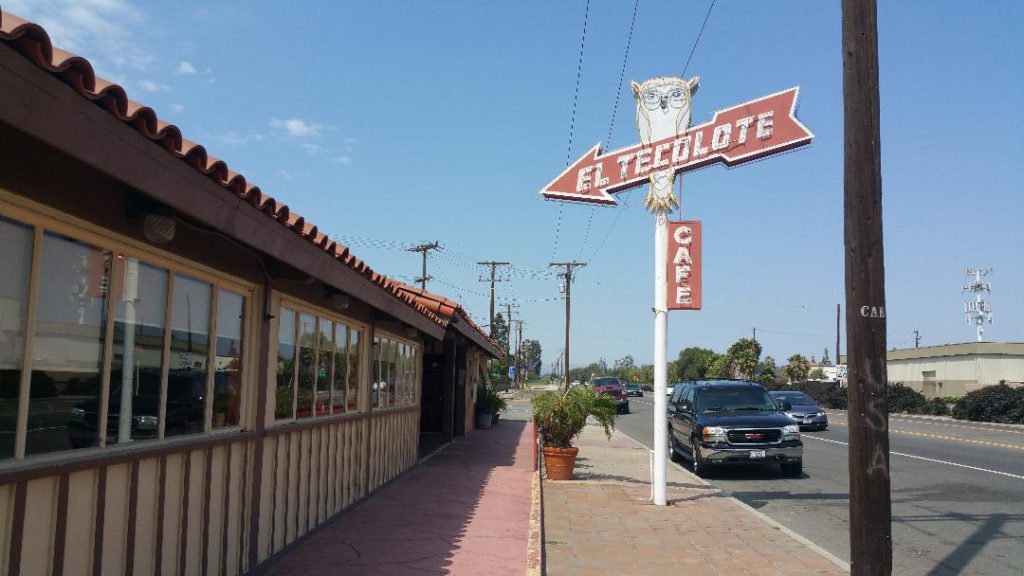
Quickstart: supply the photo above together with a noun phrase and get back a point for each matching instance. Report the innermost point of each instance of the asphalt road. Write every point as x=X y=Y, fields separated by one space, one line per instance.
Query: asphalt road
x=957 y=491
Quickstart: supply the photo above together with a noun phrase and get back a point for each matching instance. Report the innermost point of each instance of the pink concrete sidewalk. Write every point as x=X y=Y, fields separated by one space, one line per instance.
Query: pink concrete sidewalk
x=466 y=510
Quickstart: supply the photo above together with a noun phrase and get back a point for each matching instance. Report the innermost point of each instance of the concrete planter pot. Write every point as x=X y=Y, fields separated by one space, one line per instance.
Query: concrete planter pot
x=559 y=462
x=484 y=420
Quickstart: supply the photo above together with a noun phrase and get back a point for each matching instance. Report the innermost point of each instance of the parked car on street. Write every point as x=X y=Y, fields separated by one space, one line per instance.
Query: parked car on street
x=803 y=409
x=615 y=388
x=732 y=422
x=634 y=390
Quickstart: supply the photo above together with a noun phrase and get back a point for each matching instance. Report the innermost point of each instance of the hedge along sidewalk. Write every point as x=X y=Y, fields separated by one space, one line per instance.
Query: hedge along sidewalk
x=602 y=522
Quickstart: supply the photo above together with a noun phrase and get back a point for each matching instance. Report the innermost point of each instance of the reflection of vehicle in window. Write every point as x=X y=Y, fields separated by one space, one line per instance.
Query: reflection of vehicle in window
x=186 y=393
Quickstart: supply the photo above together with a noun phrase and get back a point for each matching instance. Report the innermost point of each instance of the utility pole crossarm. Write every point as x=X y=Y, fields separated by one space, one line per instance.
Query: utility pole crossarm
x=424 y=249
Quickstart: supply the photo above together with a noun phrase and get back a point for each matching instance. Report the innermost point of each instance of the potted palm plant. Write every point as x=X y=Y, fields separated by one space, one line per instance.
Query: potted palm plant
x=561 y=416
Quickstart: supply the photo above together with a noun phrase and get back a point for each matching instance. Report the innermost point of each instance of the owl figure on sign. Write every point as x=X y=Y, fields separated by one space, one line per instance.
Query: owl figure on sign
x=662 y=111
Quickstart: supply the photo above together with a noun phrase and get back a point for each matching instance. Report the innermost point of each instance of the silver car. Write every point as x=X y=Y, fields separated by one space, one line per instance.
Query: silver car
x=803 y=409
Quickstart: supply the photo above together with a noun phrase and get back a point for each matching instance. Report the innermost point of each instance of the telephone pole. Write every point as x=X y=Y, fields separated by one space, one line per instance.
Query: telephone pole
x=917 y=338
x=837 y=334
x=494 y=278
x=519 y=352
x=567 y=276
x=508 y=334
x=424 y=249
x=870 y=499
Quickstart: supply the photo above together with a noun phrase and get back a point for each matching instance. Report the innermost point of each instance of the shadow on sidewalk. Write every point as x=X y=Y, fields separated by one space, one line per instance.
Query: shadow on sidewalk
x=434 y=519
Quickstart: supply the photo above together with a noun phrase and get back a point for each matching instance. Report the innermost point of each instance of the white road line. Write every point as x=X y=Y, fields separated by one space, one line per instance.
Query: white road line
x=1018 y=477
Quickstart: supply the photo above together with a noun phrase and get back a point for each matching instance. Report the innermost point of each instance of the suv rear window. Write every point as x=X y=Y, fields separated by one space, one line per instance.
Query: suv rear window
x=606 y=382
x=734 y=399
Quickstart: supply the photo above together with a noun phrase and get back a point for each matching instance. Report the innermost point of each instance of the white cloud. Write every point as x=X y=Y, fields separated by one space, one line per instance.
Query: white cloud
x=150 y=86
x=186 y=68
x=343 y=160
x=296 y=127
x=101 y=30
x=285 y=174
x=313 y=149
x=176 y=107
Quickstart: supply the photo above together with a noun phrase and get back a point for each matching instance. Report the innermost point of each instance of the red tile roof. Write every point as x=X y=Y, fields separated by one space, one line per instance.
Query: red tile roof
x=32 y=41
x=449 y=309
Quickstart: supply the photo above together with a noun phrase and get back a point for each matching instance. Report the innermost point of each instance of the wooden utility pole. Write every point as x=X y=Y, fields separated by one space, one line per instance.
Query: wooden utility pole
x=567 y=275
x=423 y=249
x=494 y=278
x=870 y=503
x=837 y=334
x=508 y=334
x=519 y=352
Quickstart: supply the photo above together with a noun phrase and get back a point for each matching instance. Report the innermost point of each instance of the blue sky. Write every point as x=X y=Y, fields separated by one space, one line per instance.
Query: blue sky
x=392 y=124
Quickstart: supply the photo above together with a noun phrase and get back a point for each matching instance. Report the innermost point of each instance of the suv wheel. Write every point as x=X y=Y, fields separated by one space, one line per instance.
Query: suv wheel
x=673 y=454
x=700 y=467
x=793 y=469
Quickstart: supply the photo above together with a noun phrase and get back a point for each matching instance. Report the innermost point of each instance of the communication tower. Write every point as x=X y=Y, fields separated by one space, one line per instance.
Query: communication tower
x=979 y=309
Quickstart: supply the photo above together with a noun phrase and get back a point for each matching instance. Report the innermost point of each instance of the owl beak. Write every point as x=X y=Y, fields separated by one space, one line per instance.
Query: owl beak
x=664 y=103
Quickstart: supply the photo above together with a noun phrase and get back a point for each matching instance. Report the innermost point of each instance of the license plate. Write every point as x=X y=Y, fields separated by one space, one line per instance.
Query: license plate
x=808 y=421
x=756 y=454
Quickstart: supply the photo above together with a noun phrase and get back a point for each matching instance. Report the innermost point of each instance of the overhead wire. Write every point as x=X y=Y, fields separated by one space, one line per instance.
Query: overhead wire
x=611 y=124
x=572 y=122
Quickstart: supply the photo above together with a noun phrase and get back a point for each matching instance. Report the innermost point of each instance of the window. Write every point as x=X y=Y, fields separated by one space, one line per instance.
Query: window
x=227 y=380
x=154 y=380
x=307 y=363
x=185 y=405
x=317 y=374
x=394 y=379
x=135 y=368
x=285 y=396
x=16 y=254
x=67 y=353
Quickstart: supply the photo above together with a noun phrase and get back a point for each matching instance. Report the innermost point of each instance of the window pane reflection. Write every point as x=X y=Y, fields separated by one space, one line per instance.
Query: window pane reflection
x=285 y=365
x=190 y=347
x=134 y=398
x=340 y=379
x=353 y=370
x=307 y=353
x=227 y=376
x=67 y=351
x=16 y=255
x=325 y=350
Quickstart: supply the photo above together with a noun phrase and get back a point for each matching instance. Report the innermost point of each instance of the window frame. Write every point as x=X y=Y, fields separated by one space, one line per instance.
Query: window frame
x=391 y=342
x=43 y=219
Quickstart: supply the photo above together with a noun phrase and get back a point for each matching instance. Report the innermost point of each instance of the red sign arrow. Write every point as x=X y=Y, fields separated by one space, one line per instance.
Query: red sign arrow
x=745 y=132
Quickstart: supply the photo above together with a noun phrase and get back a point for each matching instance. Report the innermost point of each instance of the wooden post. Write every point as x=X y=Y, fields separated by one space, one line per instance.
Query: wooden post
x=870 y=504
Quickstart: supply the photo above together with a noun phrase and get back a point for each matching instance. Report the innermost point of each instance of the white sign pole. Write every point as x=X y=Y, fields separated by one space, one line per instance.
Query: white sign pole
x=660 y=354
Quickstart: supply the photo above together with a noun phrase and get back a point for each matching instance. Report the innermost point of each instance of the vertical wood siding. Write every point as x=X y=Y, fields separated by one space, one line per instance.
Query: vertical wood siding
x=187 y=512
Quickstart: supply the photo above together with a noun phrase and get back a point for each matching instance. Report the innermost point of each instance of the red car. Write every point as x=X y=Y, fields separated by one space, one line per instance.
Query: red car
x=615 y=388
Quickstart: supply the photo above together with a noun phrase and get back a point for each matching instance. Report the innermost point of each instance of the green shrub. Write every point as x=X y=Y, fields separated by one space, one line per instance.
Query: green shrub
x=905 y=399
x=835 y=398
x=562 y=415
x=936 y=407
x=998 y=403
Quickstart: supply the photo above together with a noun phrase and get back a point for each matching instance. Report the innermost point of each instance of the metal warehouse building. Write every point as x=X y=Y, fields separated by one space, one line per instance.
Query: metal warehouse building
x=956 y=369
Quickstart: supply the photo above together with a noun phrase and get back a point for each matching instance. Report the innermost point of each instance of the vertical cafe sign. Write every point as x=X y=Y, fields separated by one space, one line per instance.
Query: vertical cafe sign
x=684 y=265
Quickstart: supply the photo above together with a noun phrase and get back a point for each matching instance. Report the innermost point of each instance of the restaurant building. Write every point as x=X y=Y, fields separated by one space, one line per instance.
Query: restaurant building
x=192 y=376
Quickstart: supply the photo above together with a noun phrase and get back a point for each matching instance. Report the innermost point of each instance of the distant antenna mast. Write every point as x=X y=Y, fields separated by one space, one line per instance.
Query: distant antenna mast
x=978 y=310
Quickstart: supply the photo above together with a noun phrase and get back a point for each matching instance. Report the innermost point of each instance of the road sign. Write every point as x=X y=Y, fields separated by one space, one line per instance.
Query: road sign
x=511 y=372
x=739 y=134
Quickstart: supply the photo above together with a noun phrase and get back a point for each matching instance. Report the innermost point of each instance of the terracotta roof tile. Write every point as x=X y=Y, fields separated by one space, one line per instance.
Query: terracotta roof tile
x=32 y=41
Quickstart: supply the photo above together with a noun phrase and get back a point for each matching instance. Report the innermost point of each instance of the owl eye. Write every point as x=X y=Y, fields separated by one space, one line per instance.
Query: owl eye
x=677 y=93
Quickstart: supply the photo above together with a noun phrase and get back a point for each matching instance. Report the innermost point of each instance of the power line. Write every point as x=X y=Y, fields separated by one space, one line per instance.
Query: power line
x=699 y=35
x=572 y=120
x=611 y=124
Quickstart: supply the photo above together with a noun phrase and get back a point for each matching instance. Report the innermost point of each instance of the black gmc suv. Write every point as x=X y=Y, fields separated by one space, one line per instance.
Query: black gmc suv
x=732 y=422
